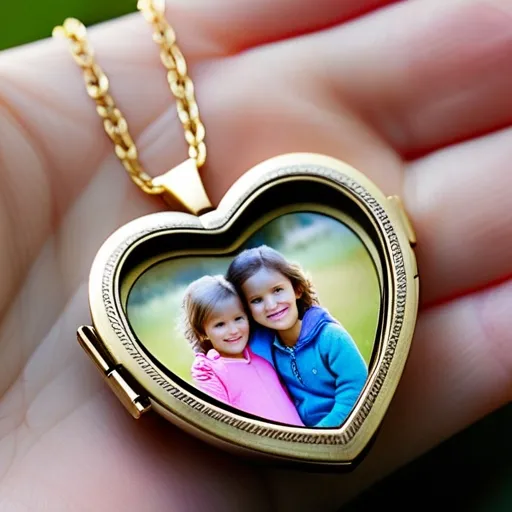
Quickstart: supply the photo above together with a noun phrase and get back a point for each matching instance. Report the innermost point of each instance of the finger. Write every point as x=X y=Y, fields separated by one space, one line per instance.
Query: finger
x=123 y=46
x=95 y=441
x=52 y=140
x=459 y=201
x=234 y=25
x=459 y=370
x=424 y=74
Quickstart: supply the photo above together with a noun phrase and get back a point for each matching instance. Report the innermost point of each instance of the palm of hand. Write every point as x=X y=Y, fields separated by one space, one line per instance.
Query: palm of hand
x=351 y=91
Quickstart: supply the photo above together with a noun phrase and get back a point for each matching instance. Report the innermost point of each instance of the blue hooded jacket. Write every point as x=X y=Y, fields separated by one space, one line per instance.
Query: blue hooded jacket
x=324 y=372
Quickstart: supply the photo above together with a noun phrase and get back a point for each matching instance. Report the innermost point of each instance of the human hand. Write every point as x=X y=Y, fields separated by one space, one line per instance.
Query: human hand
x=415 y=95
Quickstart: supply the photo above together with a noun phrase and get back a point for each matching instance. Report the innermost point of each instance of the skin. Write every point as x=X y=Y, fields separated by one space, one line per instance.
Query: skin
x=273 y=303
x=227 y=328
x=415 y=94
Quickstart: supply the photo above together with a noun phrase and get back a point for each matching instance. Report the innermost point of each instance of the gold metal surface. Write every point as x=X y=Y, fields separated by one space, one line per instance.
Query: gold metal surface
x=180 y=83
x=133 y=400
x=235 y=431
x=134 y=403
x=184 y=184
x=115 y=124
x=399 y=206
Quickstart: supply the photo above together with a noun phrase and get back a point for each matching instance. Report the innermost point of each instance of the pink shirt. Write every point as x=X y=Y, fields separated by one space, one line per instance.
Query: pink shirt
x=250 y=384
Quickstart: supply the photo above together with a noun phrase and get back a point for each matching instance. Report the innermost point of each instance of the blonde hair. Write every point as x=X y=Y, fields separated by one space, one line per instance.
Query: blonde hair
x=201 y=297
x=250 y=261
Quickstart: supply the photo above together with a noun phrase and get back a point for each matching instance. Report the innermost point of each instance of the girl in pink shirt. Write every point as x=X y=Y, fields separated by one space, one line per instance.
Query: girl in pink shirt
x=217 y=326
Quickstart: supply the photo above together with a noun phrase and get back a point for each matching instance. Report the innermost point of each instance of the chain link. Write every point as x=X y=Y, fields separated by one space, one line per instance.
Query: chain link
x=177 y=75
x=114 y=123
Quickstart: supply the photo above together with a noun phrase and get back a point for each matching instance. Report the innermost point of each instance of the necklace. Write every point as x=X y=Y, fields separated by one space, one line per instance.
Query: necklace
x=300 y=240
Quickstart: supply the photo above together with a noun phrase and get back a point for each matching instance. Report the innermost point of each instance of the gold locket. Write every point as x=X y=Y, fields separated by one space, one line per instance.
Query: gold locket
x=319 y=217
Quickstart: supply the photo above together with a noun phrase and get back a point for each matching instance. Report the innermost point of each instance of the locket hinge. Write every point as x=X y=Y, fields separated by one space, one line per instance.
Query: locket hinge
x=183 y=184
x=119 y=380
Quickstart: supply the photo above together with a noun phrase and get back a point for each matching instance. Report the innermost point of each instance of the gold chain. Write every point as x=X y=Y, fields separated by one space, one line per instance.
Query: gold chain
x=177 y=75
x=116 y=126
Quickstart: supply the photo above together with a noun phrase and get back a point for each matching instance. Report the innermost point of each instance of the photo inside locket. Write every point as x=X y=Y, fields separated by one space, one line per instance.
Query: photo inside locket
x=283 y=328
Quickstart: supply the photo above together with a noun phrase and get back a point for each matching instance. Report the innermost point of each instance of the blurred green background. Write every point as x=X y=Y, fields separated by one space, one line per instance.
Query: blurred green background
x=25 y=21
x=470 y=472
x=331 y=254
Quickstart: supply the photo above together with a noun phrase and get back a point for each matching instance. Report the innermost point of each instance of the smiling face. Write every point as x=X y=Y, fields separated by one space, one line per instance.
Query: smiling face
x=227 y=327
x=272 y=300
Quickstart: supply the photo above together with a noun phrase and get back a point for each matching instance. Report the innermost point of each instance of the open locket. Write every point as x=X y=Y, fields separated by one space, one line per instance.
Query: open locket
x=328 y=220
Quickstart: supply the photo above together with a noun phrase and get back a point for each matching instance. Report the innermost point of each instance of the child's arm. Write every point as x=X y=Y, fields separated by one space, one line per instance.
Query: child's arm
x=349 y=368
x=207 y=380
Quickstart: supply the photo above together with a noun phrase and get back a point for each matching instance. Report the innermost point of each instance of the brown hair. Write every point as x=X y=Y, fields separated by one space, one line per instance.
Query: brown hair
x=250 y=261
x=201 y=296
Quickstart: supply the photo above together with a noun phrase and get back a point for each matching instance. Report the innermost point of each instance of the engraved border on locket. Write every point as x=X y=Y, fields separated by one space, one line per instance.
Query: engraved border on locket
x=246 y=425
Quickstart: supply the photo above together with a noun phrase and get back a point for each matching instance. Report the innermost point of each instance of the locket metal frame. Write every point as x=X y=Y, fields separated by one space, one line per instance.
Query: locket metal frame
x=289 y=182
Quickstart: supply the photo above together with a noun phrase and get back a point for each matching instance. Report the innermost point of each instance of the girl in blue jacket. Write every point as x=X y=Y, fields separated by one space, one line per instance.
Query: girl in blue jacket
x=316 y=358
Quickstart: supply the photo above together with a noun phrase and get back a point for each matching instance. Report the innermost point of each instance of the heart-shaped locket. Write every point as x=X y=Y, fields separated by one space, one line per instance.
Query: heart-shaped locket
x=276 y=325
